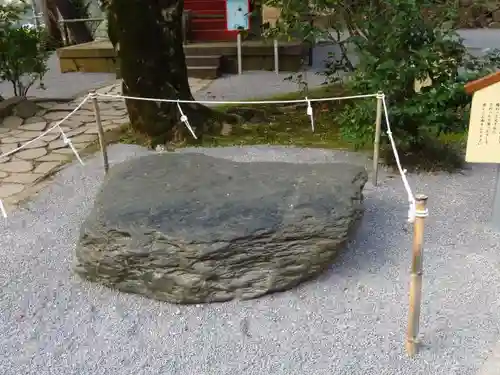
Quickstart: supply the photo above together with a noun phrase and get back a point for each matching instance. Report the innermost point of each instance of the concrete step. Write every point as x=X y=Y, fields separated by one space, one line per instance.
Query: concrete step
x=204 y=72
x=206 y=60
x=213 y=35
x=248 y=48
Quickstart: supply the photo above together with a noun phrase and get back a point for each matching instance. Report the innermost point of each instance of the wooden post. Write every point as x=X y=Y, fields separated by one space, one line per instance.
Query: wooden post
x=376 y=143
x=416 y=275
x=100 y=131
x=238 y=52
x=276 y=57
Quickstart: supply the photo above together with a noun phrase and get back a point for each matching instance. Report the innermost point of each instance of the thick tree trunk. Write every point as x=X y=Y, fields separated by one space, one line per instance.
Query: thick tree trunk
x=147 y=35
x=51 y=18
x=79 y=30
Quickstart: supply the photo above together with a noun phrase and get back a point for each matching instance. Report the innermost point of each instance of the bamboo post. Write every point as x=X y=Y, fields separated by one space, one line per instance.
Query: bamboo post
x=100 y=131
x=276 y=57
x=238 y=52
x=376 y=143
x=416 y=275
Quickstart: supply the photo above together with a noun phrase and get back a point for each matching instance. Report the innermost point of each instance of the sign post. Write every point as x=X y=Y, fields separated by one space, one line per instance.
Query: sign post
x=483 y=141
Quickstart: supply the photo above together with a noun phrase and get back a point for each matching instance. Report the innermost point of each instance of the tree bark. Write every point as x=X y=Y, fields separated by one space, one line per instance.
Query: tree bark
x=79 y=30
x=147 y=35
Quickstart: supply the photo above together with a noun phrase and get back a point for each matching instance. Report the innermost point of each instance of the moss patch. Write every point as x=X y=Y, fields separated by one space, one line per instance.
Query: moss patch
x=289 y=125
x=128 y=135
x=286 y=124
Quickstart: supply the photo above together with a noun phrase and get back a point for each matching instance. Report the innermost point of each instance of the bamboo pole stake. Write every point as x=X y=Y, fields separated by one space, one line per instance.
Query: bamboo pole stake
x=416 y=275
x=238 y=53
x=276 y=57
x=376 y=143
x=100 y=131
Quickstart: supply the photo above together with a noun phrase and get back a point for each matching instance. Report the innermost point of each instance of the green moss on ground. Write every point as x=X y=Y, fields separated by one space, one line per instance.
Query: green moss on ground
x=289 y=125
x=286 y=124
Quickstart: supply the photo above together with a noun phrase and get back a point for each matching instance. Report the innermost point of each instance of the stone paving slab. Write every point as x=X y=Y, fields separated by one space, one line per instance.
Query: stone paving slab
x=21 y=173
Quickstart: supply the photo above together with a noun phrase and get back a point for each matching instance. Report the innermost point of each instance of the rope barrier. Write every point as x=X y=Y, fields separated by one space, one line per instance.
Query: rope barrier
x=402 y=172
x=2 y=210
x=57 y=125
x=417 y=211
x=65 y=138
x=183 y=118
x=310 y=113
x=250 y=102
x=68 y=142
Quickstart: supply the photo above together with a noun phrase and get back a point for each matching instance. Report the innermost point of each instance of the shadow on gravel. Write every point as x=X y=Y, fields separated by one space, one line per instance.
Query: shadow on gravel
x=376 y=242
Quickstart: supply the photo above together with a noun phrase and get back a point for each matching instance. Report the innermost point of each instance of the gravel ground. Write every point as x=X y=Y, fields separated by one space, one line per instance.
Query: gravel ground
x=252 y=85
x=349 y=321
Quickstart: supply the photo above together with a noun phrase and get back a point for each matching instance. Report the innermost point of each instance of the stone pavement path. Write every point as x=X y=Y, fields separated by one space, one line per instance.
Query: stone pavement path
x=21 y=171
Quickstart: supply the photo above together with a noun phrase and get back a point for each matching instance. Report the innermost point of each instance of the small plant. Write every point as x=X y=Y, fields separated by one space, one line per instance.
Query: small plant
x=23 y=49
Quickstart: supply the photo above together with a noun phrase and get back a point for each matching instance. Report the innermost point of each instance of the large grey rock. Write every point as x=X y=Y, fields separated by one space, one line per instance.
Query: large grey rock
x=189 y=228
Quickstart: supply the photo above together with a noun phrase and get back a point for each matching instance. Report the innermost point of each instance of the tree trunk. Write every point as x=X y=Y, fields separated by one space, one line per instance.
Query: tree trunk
x=147 y=35
x=79 y=30
x=51 y=17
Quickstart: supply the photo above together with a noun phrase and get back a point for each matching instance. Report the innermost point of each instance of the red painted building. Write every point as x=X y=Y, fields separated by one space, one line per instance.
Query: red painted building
x=218 y=20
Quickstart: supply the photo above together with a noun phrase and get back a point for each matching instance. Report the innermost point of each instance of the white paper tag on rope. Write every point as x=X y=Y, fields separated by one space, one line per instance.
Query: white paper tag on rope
x=2 y=210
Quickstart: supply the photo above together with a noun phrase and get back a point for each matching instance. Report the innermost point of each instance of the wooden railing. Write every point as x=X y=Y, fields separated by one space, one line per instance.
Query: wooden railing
x=64 y=26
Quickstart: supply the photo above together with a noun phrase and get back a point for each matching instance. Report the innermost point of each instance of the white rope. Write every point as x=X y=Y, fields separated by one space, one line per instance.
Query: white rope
x=68 y=142
x=3 y=212
x=411 y=212
x=237 y=102
x=185 y=120
x=310 y=113
x=46 y=131
x=2 y=209
x=402 y=172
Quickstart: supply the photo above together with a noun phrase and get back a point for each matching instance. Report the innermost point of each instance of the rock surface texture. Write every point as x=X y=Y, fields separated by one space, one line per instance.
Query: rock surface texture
x=189 y=228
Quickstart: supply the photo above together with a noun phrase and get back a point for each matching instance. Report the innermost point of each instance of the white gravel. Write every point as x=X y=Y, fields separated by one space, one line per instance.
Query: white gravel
x=350 y=321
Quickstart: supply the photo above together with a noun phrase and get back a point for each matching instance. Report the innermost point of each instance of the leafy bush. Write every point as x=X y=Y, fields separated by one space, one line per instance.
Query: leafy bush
x=23 y=49
x=397 y=43
x=392 y=60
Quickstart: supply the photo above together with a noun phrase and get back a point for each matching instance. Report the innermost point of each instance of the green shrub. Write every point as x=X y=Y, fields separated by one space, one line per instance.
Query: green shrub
x=392 y=59
x=23 y=49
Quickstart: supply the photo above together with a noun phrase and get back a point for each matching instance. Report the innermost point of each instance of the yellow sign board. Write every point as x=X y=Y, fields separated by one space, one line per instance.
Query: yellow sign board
x=483 y=141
